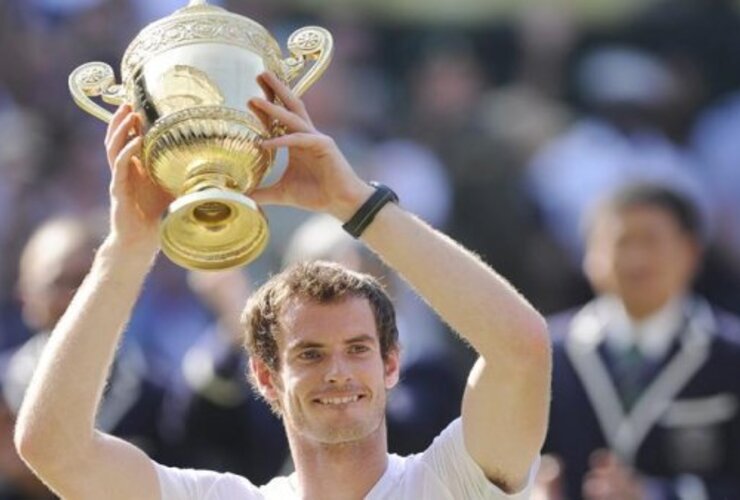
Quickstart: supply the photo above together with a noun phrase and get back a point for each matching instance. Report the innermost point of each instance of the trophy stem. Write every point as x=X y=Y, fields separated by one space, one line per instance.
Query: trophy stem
x=210 y=212
x=194 y=3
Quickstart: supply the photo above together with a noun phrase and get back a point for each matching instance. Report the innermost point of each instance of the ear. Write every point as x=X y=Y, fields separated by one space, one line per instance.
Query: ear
x=264 y=378
x=392 y=368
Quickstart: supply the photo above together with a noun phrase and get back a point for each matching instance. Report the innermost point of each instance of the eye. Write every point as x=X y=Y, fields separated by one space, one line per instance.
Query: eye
x=309 y=355
x=358 y=348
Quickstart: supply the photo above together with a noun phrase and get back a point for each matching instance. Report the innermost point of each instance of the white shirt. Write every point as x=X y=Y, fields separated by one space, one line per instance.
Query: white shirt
x=445 y=471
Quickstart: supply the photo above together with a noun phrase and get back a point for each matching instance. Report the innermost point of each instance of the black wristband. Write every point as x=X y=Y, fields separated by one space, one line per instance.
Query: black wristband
x=367 y=212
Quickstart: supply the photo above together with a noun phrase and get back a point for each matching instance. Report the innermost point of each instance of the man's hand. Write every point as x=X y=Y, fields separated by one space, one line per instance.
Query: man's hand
x=548 y=484
x=136 y=201
x=610 y=479
x=318 y=177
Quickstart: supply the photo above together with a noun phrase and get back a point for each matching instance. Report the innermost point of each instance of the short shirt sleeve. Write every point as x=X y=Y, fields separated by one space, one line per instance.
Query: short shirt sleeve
x=190 y=484
x=451 y=462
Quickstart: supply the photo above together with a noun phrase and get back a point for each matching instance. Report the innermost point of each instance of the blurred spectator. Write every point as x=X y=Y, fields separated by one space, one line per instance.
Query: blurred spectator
x=53 y=264
x=444 y=90
x=213 y=417
x=167 y=321
x=417 y=176
x=700 y=35
x=22 y=149
x=17 y=482
x=429 y=393
x=716 y=143
x=618 y=143
x=646 y=380
x=492 y=212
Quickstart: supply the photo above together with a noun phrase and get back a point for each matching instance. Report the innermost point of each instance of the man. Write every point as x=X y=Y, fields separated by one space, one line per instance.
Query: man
x=432 y=376
x=646 y=380
x=330 y=372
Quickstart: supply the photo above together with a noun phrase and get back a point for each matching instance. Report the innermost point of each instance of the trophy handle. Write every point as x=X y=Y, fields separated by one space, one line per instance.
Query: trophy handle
x=310 y=43
x=92 y=80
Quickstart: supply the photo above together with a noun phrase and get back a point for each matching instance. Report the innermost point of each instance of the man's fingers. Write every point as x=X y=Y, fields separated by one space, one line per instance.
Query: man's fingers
x=124 y=159
x=121 y=135
x=269 y=195
x=119 y=115
x=291 y=120
x=295 y=140
x=261 y=115
x=135 y=159
x=596 y=489
x=269 y=93
x=602 y=458
x=286 y=96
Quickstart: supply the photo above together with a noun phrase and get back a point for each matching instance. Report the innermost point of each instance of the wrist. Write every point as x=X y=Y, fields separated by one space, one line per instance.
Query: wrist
x=365 y=215
x=351 y=200
x=127 y=253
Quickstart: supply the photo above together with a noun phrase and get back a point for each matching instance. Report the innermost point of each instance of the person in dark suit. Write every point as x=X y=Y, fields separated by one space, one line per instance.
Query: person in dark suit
x=212 y=416
x=52 y=266
x=646 y=381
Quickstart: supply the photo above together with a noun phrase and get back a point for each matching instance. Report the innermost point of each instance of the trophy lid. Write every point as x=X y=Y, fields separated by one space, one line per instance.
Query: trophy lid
x=198 y=22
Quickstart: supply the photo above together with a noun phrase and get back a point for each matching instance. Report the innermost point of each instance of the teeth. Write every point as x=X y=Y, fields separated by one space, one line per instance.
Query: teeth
x=339 y=401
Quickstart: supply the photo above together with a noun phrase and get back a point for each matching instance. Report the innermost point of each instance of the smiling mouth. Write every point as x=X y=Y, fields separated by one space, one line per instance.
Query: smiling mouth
x=338 y=401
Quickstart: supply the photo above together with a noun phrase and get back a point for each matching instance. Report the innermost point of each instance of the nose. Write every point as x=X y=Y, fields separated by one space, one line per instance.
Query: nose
x=337 y=371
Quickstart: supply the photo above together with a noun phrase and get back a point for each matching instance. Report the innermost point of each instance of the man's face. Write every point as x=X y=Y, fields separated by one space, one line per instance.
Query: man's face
x=332 y=382
x=643 y=255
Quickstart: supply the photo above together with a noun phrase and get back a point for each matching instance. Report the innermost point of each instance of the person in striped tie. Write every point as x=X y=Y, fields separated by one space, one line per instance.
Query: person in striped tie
x=646 y=380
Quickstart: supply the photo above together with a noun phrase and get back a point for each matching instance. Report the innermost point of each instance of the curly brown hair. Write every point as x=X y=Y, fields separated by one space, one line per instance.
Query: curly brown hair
x=319 y=281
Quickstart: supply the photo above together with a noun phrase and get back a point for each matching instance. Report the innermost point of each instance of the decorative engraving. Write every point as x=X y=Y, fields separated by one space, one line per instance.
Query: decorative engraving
x=179 y=146
x=211 y=26
x=306 y=41
x=218 y=113
x=94 y=78
x=310 y=43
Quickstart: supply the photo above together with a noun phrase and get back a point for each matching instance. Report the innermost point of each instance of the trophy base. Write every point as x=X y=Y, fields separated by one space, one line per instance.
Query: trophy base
x=213 y=229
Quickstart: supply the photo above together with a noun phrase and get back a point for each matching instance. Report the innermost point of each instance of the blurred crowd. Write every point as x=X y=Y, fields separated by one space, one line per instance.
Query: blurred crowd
x=505 y=135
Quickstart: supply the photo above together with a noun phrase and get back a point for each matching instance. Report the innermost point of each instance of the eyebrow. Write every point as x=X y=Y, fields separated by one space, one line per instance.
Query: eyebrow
x=306 y=344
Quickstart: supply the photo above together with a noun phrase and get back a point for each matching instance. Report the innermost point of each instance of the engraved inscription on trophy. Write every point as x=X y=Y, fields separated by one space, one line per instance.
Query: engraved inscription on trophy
x=183 y=87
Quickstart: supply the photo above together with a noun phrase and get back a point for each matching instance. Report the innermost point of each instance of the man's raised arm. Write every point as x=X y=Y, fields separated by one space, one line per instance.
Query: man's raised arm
x=55 y=432
x=506 y=403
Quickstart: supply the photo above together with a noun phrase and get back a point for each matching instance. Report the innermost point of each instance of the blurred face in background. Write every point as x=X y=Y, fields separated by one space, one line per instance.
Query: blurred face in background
x=52 y=269
x=643 y=255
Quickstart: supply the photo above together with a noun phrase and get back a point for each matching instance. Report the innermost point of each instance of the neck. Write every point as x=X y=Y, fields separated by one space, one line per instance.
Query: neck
x=639 y=311
x=339 y=471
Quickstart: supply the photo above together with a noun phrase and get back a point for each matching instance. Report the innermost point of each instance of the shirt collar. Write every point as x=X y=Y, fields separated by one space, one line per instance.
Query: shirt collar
x=652 y=336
